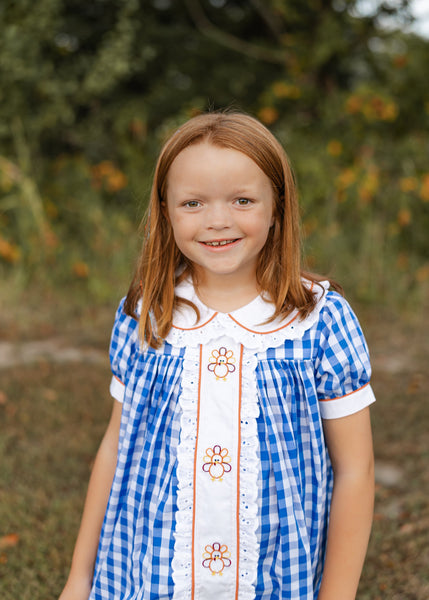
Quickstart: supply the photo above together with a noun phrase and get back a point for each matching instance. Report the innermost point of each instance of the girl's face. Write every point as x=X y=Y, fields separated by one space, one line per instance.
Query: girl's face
x=220 y=205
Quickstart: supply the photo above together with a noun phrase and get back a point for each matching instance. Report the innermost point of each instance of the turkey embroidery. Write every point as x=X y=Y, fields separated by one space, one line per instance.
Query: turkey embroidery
x=216 y=558
x=221 y=363
x=216 y=462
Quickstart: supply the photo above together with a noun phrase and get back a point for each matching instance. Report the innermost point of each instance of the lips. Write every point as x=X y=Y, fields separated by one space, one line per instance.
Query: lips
x=216 y=243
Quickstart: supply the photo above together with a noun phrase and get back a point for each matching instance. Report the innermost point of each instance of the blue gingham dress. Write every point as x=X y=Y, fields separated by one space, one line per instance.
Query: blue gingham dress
x=304 y=371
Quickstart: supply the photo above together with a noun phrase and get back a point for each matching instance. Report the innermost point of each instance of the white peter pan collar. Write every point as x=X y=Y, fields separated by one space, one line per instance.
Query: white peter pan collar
x=245 y=325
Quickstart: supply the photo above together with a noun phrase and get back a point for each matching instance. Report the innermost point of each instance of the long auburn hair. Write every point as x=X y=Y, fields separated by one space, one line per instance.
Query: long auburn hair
x=161 y=265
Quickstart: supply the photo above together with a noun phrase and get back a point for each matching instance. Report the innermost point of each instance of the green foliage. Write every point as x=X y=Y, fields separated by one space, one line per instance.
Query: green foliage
x=89 y=91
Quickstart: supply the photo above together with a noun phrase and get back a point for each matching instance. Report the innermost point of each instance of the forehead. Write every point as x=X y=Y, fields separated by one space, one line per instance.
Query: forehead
x=205 y=162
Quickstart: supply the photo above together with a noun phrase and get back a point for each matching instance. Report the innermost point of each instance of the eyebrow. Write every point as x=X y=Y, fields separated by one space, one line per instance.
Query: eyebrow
x=200 y=194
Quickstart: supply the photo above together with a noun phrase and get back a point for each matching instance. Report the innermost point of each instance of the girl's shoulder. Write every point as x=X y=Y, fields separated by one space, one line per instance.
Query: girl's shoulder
x=339 y=333
x=124 y=332
x=336 y=310
x=125 y=341
x=124 y=324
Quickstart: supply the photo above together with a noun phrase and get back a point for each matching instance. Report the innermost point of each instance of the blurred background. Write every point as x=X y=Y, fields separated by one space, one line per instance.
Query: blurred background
x=88 y=93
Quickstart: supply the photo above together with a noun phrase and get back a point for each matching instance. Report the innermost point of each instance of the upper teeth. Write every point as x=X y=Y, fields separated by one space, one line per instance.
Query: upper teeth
x=222 y=243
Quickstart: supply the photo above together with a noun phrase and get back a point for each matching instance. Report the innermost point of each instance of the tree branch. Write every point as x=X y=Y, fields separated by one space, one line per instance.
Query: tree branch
x=206 y=27
x=271 y=21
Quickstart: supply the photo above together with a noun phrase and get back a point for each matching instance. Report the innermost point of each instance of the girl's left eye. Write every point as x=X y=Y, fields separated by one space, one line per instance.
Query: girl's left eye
x=243 y=201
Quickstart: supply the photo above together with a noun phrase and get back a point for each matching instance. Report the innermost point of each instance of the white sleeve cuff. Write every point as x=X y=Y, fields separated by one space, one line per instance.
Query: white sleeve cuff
x=117 y=389
x=348 y=404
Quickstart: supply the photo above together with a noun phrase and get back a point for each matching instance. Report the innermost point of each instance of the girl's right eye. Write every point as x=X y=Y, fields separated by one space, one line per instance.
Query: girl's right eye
x=243 y=201
x=192 y=204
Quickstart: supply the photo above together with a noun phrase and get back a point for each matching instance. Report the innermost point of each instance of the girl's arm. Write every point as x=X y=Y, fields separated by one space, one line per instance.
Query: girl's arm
x=82 y=569
x=349 y=442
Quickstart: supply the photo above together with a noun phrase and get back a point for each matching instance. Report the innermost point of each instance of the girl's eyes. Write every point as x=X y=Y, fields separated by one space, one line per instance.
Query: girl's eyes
x=196 y=203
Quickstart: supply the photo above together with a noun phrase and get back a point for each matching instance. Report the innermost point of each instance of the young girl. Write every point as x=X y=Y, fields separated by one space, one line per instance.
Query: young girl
x=238 y=462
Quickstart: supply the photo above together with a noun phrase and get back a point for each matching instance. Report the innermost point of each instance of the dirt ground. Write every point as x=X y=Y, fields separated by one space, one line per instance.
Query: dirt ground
x=54 y=405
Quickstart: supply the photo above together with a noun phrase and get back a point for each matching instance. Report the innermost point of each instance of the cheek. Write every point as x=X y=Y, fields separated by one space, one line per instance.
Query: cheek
x=183 y=234
x=181 y=228
x=263 y=226
x=267 y=233
x=267 y=216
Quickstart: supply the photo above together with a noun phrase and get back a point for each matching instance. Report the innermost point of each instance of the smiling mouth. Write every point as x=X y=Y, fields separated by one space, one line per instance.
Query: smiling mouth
x=220 y=243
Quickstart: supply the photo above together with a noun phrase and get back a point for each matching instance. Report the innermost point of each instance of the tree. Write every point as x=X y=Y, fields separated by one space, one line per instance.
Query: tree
x=90 y=89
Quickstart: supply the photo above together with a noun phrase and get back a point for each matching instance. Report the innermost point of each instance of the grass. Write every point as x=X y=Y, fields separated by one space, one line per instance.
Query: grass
x=52 y=417
x=397 y=565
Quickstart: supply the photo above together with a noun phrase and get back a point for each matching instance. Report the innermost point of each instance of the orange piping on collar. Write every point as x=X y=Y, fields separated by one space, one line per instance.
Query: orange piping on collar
x=264 y=332
x=197 y=327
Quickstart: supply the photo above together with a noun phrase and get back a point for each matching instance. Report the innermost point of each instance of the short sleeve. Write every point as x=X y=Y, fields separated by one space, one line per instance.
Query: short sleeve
x=123 y=347
x=343 y=367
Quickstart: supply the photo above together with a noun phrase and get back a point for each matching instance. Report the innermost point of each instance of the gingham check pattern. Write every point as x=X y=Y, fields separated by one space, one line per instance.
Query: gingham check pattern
x=295 y=481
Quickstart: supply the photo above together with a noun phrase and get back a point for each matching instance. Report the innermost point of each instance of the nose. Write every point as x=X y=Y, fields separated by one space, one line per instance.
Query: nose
x=217 y=216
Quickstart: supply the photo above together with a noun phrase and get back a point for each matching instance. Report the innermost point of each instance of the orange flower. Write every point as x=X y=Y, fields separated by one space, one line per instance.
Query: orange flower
x=424 y=190
x=9 y=541
x=389 y=112
x=365 y=195
x=335 y=148
x=369 y=186
x=404 y=217
x=286 y=90
x=372 y=106
x=107 y=175
x=81 y=270
x=422 y=273
x=408 y=184
x=354 y=104
x=9 y=251
x=116 y=181
x=345 y=179
x=268 y=115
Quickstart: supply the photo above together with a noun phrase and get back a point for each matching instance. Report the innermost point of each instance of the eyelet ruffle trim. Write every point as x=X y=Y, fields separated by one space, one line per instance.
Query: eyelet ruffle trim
x=188 y=400
x=249 y=467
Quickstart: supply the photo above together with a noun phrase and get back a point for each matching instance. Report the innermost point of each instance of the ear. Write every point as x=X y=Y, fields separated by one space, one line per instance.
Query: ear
x=164 y=210
x=274 y=216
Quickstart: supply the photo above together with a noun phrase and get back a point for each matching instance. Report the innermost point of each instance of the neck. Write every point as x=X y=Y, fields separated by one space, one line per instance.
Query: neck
x=226 y=296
